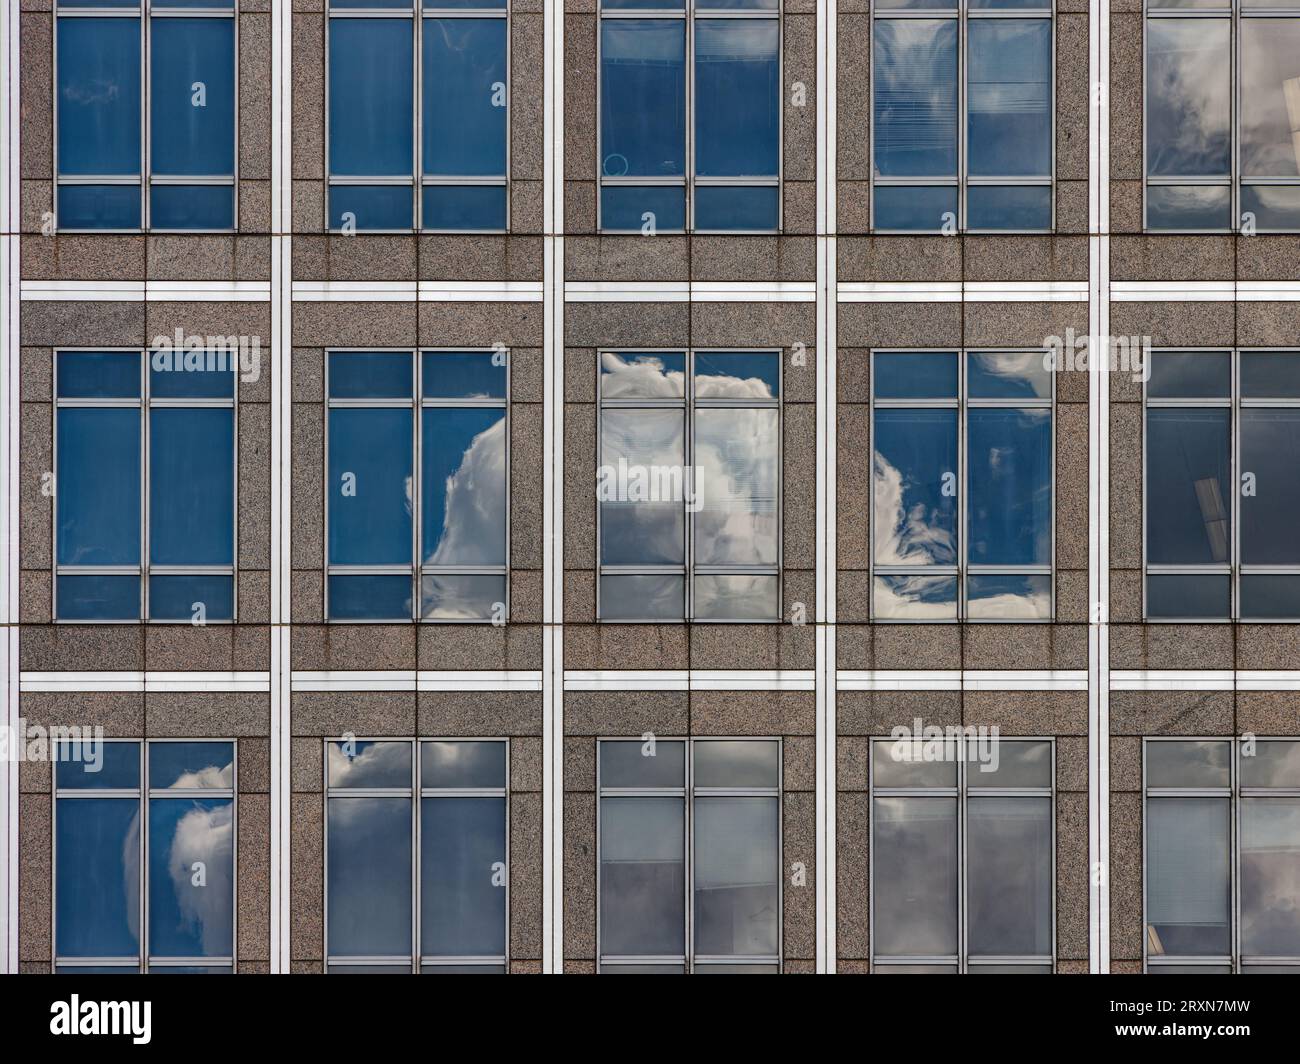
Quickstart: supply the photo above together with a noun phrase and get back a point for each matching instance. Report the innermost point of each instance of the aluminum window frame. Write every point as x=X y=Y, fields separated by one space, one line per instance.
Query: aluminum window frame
x=144 y=569
x=144 y=11
x=688 y=403
x=415 y=792
x=143 y=793
x=417 y=12
x=961 y=11
x=961 y=792
x=962 y=570
x=688 y=792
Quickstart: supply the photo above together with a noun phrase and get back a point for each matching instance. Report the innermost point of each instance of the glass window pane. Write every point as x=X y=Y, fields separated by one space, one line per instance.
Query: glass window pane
x=1189 y=486
x=98 y=598
x=640 y=764
x=1007 y=375
x=736 y=969
x=370 y=969
x=463 y=466
x=915 y=761
x=737 y=208
x=370 y=598
x=654 y=597
x=99 y=206
x=1270 y=877
x=194 y=375
x=737 y=375
x=463 y=877
x=1270 y=597
x=738 y=97
x=1270 y=453
x=462 y=764
x=914 y=487
x=915 y=209
x=371 y=207
x=914 y=598
x=643 y=374
x=462 y=596
x=1200 y=596
x=369 y=884
x=1009 y=763
x=737 y=763
x=737 y=864
x=370 y=485
x=97 y=765
x=192 y=130
x=1009 y=876
x=191 y=764
x=641 y=487
x=642 y=877
x=1188 y=881
x=372 y=115
x=915 y=870
x=1270 y=97
x=1190 y=375
x=915 y=375
x=1009 y=207
x=1270 y=374
x=1001 y=597
x=191 y=206
x=1009 y=94
x=737 y=519
x=97 y=877
x=465 y=96
x=98 y=97
x=739 y=597
x=179 y=598
x=1270 y=764
x=191 y=486
x=370 y=375
x=464 y=207
x=1009 y=471
x=643 y=98
x=463 y=374
x=462 y=969
x=647 y=210
x=915 y=80
x=98 y=479
x=1274 y=206
x=1190 y=207
x=369 y=764
x=1188 y=97
x=191 y=877
x=1189 y=763
x=98 y=374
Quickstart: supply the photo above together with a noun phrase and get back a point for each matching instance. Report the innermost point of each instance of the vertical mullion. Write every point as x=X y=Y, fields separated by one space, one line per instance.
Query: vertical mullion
x=417 y=131
x=146 y=515
x=146 y=86
x=688 y=824
x=417 y=494
x=962 y=965
x=963 y=482
x=1235 y=468
x=688 y=458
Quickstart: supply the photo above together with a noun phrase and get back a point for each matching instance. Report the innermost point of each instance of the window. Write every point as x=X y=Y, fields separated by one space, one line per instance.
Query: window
x=416 y=852
x=418 y=459
x=962 y=441
x=145 y=485
x=1221 y=845
x=962 y=106
x=144 y=837
x=688 y=486
x=145 y=114
x=695 y=147
x=962 y=865
x=418 y=115
x=689 y=854
x=1215 y=419
x=1222 y=156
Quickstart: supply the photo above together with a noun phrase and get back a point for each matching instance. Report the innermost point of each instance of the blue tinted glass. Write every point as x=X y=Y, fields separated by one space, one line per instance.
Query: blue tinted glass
x=642 y=374
x=98 y=598
x=191 y=764
x=371 y=206
x=192 y=374
x=1270 y=374
x=101 y=765
x=465 y=96
x=191 y=206
x=464 y=375
x=370 y=375
x=1191 y=375
x=370 y=598
x=462 y=877
x=916 y=375
x=1270 y=515
x=737 y=375
x=1272 y=597
x=1005 y=597
x=396 y=5
x=99 y=206
x=737 y=208
x=105 y=3
x=1009 y=471
x=624 y=208
x=369 y=764
x=1189 y=206
x=463 y=466
x=191 y=486
x=1008 y=375
x=1189 y=486
x=371 y=103
x=1192 y=596
x=915 y=64
x=643 y=98
x=733 y=5
x=1274 y=207
x=99 y=96
x=97 y=877
x=462 y=596
x=99 y=486
x=1188 y=97
x=918 y=210
x=191 y=877
x=738 y=97
x=914 y=501
x=642 y=5
x=192 y=130
x=98 y=375
x=174 y=598
x=1013 y=207
x=462 y=764
x=370 y=487
x=464 y=207
x=369 y=886
x=1009 y=97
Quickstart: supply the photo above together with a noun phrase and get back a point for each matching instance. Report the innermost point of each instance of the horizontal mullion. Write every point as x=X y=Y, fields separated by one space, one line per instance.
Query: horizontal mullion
x=1215 y=180
x=192 y=570
x=98 y=179
x=375 y=404
x=1208 y=569
x=643 y=570
x=105 y=403
x=1255 y=180
x=916 y=404
x=915 y=182
x=462 y=792
x=192 y=179
x=121 y=793
x=915 y=792
x=386 y=179
x=1191 y=404
x=97 y=570
x=643 y=792
x=369 y=792
x=462 y=404
x=471 y=959
x=455 y=180
x=97 y=962
x=464 y=570
x=1031 y=181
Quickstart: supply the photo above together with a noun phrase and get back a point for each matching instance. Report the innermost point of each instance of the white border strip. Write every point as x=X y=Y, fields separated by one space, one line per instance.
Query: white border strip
x=1205 y=291
x=423 y=680
x=147 y=291
x=1175 y=680
x=968 y=680
x=958 y=292
x=68 y=682
x=690 y=291
x=690 y=680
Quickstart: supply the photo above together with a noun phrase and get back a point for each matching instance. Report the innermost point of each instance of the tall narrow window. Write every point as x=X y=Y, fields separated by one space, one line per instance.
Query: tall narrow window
x=690 y=147
x=688 y=485
x=1222 y=154
x=418 y=115
x=145 y=143
x=689 y=838
x=1219 y=810
x=145 y=486
x=962 y=865
x=962 y=114
x=417 y=858
x=144 y=838
x=1222 y=501
x=418 y=460
x=961 y=519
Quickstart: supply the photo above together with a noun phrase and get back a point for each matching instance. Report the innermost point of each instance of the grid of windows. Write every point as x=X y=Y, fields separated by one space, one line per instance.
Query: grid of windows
x=1221 y=854
x=689 y=856
x=689 y=145
x=418 y=115
x=1222 y=149
x=962 y=115
x=144 y=515
x=144 y=856
x=962 y=479
x=962 y=849
x=145 y=113
x=417 y=856
x=688 y=485
x=1222 y=442
x=417 y=506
